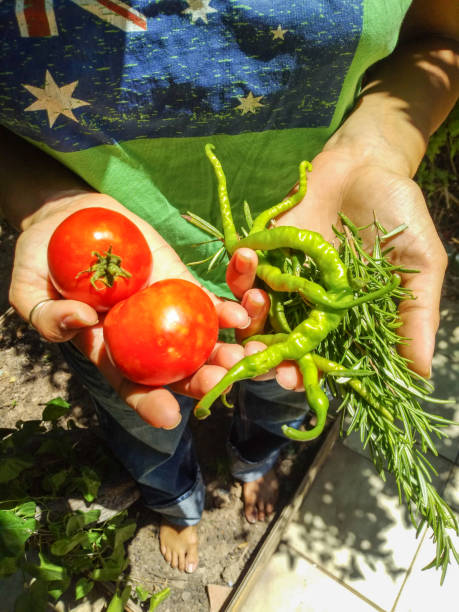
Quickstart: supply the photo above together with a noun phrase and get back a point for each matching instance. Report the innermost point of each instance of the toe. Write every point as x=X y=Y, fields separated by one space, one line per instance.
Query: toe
x=261 y=510
x=251 y=513
x=192 y=559
x=181 y=561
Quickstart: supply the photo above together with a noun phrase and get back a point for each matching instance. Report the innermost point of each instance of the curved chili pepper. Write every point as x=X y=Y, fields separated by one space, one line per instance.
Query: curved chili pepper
x=329 y=302
x=317 y=400
x=277 y=316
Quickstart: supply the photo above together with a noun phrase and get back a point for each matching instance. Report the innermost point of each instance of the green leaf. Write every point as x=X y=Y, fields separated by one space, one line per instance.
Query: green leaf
x=142 y=593
x=55 y=482
x=118 y=600
x=107 y=574
x=88 y=483
x=113 y=567
x=79 y=520
x=27 y=509
x=57 y=589
x=124 y=533
x=126 y=593
x=46 y=571
x=65 y=545
x=11 y=467
x=83 y=587
x=116 y=604
x=14 y=532
x=54 y=409
x=158 y=598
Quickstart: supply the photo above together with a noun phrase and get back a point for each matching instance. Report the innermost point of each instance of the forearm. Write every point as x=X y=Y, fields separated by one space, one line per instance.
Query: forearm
x=31 y=182
x=405 y=100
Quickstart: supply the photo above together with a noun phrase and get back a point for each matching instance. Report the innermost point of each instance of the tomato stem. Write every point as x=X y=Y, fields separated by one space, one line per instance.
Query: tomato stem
x=107 y=269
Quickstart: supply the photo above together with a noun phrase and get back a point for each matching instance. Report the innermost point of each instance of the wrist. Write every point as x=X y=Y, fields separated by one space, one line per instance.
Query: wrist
x=407 y=97
x=378 y=133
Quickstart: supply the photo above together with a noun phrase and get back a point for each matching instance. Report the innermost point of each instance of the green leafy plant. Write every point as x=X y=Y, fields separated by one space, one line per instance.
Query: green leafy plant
x=57 y=550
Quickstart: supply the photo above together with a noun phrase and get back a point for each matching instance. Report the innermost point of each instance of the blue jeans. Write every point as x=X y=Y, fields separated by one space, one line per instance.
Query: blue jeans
x=164 y=463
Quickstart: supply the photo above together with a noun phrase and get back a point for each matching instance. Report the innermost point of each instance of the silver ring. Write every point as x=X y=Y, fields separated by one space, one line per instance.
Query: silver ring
x=37 y=306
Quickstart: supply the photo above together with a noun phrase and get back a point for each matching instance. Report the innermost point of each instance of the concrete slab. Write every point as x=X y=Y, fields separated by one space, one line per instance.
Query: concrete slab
x=422 y=591
x=351 y=524
x=292 y=583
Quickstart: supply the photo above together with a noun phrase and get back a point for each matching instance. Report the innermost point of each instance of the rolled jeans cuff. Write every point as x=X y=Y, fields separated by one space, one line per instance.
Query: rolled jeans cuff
x=186 y=509
x=247 y=471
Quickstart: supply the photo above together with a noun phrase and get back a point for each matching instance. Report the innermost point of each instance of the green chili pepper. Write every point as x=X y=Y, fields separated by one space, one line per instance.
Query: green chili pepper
x=268 y=215
x=329 y=302
x=277 y=316
x=316 y=397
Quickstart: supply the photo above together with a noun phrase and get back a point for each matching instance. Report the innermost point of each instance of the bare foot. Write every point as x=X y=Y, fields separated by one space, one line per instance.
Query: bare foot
x=179 y=546
x=260 y=497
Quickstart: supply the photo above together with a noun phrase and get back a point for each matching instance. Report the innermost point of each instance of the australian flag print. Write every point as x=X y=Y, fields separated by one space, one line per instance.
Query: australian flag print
x=80 y=73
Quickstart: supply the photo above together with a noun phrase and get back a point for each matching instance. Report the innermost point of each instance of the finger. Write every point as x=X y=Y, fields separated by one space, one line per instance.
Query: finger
x=231 y=315
x=226 y=355
x=241 y=271
x=158 y=407
x=420 y=320
x=289 y=377
x=58 y=320
x=256 y=303
x=201 y=381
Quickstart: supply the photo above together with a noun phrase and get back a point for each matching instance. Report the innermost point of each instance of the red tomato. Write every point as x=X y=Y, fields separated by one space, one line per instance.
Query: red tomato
x=98 y=256
x=163 y=333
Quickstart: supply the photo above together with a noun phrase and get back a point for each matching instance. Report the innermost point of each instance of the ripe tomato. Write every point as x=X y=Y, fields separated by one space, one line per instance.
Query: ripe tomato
x=163 y=333
x=98 y=256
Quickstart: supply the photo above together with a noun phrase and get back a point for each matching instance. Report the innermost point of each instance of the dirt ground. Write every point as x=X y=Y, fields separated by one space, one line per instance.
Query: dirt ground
x=32 y=372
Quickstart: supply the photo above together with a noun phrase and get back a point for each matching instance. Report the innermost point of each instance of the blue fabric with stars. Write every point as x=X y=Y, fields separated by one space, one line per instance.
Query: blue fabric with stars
x=200 y=68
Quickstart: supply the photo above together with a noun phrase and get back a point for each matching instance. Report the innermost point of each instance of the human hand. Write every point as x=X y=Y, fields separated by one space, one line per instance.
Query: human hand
x=368 y=191
x=364 y=191
x=60 y=320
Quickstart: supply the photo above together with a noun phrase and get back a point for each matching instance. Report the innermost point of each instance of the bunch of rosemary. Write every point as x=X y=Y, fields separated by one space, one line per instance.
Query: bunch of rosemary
x=384 y=406
x=398 y=432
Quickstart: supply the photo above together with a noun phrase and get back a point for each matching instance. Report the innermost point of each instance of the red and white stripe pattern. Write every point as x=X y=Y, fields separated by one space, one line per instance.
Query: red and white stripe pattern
x=37 y=17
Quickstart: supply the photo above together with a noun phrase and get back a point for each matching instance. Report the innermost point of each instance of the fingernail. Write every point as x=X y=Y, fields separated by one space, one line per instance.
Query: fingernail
x=252 y=300
x=75 y=322
x=246 y=325
x=243 y=261
x=176 y=425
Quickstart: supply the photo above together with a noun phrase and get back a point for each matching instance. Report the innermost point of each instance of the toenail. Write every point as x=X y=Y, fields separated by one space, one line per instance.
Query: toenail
x=190 y=568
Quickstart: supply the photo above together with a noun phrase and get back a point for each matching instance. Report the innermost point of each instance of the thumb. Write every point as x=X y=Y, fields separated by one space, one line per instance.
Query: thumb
x=60 y=320
x=420 y=320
